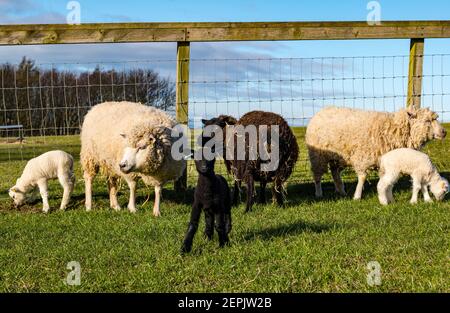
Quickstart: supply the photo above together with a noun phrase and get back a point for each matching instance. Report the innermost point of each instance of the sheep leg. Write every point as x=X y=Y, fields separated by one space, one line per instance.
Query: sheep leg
x=338 y=184
x=383 y=187
x=415 y=190
x=192 y=228
x=67 y=184
x=221 y=229
x=132 y=202
x=88 y=190
x=250 y=190
x=228 y=224
x=426 y=195
x=112 y=186
x=360 y=186
x=43 y=189
x=390 y=196
x=277 y=195
x=156 y=211
x=180 y=183
x=262 y=191
x=209 y=224
x=236 y=191
x=318 y=168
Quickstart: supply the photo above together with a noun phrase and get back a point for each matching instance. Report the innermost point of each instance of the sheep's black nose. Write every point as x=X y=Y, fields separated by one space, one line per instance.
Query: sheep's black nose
x=122 y=165
x=444 y=133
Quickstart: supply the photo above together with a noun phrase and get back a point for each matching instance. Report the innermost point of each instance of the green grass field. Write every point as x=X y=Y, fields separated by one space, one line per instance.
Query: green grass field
x=306 y=246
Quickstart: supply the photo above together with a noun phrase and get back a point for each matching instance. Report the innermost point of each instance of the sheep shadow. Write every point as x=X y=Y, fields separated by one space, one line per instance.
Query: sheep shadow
x=298 y=193
x=284 y=230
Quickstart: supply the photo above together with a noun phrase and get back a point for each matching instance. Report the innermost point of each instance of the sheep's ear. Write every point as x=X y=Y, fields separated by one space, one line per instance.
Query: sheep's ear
x=151 y=139
x=123 y=136
x=15 y=189
x=412 y=112
x=204 y=121
x=228 y=120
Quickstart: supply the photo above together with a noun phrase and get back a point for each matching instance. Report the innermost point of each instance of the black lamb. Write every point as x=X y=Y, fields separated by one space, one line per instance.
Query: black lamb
x=212 y=194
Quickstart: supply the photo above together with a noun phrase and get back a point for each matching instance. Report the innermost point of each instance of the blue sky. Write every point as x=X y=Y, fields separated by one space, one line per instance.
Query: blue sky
x=231 y=10
x=54 y=11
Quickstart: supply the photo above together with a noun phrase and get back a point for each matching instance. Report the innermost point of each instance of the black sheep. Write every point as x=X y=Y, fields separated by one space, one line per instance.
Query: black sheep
x=212 y=194
x=249 y=171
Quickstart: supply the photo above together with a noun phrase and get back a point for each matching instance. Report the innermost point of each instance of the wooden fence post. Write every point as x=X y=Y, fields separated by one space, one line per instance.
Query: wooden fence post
x=182 y=96
x=415 y=72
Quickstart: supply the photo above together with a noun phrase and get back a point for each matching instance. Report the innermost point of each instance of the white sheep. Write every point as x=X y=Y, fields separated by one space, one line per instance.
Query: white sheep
x=415 y=164
x=38 y=171
x=130 y=141
x=342 y=137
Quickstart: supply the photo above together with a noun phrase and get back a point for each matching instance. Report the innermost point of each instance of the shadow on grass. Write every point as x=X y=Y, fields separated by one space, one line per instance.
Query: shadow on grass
x=298 y=193
x=288 y=229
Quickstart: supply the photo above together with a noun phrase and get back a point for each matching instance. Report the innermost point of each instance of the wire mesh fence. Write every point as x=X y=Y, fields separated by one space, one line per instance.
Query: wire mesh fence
x=43 y=105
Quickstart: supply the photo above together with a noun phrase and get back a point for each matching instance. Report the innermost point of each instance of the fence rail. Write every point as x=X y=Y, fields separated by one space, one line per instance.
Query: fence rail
x=197 y=32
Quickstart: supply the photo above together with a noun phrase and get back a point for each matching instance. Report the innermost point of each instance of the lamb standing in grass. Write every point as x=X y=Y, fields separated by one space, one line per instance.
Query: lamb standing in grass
x=212 y=194
x=50 y=165
x=416 y=164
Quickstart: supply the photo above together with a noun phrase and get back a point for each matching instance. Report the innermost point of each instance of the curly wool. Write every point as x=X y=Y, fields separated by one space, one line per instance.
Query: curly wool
x=288 y=149
x=357 y=138
x=141 y=133
x=102 y=146
x=247 y=170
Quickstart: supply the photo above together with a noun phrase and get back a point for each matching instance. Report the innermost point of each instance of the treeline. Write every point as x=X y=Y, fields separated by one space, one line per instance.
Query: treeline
x=52 y=101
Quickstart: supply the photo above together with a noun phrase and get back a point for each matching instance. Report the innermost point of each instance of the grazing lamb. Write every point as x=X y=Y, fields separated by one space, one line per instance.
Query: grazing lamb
x=415 y=164
x=342 y=137
x=128 y=140
x=213 y=196
x=249 y=171
x=50 y=165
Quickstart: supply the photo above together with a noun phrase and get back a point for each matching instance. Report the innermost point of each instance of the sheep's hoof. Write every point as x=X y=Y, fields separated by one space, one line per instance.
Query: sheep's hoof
x=429 y=200
x=116 y=208
x=46 y=210
x=132 y=210
x=185 y=249
x=156 y=213
x=413 y=201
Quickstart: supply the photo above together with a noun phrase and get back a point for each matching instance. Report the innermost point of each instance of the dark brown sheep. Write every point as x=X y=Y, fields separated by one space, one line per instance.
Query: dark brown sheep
x=249 y=171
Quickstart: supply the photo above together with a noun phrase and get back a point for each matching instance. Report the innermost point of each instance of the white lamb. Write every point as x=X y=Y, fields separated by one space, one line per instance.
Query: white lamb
x=415 y=164
x=50 y=165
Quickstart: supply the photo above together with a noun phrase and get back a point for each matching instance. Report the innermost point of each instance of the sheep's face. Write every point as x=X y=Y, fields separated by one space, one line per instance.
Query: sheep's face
x=18 y=196
x=204 y=166
x=222 y=121
x=135 y=158
x=440 y=189
x=425 y=125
